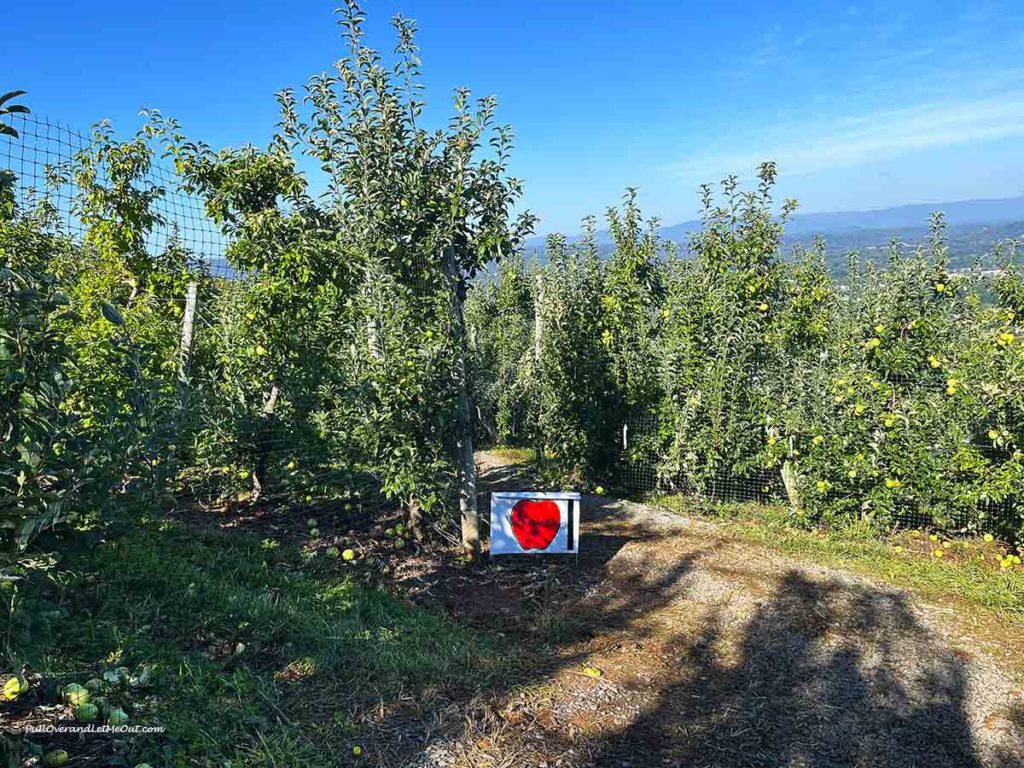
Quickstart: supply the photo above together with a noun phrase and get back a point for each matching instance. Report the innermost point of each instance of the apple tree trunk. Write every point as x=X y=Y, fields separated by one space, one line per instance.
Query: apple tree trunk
x=464 y=423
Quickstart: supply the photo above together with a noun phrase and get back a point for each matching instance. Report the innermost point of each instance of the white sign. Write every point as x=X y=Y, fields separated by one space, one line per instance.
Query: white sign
x=533 y=523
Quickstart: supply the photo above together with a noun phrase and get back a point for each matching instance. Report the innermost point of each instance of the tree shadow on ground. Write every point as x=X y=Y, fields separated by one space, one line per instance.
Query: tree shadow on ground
x=539 y=610
x=824 y=675
x=809 y=671
x=504 y=477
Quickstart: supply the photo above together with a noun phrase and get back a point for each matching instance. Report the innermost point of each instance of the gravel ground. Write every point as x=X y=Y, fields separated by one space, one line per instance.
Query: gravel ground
x=671 y=644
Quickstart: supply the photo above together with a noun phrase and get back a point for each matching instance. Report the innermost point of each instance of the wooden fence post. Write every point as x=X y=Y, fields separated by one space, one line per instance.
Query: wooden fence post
x=538 y=339
x=187 y=330
x=181 y=386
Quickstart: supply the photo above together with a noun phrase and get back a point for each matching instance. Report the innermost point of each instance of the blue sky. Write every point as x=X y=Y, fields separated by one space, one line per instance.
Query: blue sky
x=863 y=105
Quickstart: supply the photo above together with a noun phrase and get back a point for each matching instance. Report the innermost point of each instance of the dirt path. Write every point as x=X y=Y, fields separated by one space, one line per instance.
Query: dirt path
x=710 y=654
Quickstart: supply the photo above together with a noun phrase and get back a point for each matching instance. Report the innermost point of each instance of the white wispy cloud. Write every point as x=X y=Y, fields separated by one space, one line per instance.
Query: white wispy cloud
x=858 y=139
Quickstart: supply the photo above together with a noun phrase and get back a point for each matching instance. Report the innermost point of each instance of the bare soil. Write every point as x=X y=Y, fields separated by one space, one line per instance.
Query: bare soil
x=671 y=643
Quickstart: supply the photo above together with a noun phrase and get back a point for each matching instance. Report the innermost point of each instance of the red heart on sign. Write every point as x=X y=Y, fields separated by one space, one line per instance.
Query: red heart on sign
x=535 y=522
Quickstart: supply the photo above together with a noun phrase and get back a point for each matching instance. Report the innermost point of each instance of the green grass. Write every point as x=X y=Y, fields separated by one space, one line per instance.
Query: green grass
x=967 y=573
x=184 y=601
x=266 y=657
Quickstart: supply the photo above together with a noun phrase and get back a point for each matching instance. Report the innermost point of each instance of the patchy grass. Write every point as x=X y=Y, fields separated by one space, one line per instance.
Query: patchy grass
x=265 y=652
x=967 y=571
x=262 y=655
x=515 y=456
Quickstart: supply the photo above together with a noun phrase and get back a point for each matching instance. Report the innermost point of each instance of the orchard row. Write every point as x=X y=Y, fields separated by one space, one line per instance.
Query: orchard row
x=723 y=368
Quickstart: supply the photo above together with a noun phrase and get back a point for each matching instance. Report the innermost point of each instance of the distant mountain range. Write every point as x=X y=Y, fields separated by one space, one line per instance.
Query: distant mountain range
x=975 y=226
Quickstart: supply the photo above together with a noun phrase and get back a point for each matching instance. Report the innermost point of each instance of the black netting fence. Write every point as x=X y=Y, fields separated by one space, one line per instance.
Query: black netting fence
x=639 y=469
x=51 y=165
x=730 y=374
x=205 y=373
x=961 y=448
x=150 y=364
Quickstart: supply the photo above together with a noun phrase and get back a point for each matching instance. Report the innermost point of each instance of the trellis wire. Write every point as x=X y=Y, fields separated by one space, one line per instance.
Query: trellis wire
x=640 y=474
x=44 y=146
x=41 y=159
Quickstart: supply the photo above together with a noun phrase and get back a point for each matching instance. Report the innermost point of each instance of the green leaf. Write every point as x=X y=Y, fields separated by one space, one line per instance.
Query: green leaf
x=11 y=95
x=111 y=313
